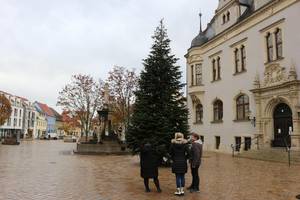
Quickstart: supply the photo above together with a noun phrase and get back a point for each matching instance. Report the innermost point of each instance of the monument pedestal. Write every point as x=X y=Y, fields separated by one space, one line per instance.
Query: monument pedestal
x=106 y=148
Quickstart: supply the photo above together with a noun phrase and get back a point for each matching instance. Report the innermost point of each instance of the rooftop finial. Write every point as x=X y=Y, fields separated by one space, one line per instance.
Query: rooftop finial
x=200 y=15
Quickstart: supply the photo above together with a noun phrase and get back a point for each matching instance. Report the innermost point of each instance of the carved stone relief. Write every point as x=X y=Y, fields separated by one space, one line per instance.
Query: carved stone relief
x=274 y=75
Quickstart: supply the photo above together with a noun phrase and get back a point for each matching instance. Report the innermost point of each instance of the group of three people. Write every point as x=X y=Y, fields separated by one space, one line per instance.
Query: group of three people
x=180 y=153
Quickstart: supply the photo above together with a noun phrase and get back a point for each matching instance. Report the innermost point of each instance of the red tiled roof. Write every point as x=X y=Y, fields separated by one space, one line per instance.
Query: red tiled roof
x=56 y=114
x=46 y=109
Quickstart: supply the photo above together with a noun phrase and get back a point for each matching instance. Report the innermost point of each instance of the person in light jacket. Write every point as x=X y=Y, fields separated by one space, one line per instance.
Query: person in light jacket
x=179 y=156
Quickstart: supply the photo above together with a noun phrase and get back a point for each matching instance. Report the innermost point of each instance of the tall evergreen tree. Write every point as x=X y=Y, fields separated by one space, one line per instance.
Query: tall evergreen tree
x=160 y=108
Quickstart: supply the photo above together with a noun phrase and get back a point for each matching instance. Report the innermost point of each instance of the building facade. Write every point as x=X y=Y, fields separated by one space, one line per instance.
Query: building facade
x=242 y=75
x=58 y=123
x=41 y=125
x=29 y=120
x=14 y=125
x=50 y=116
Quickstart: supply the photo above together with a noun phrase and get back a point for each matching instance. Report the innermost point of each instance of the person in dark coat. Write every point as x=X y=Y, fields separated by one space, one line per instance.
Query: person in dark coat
x=195 y=161
x=179 y=156
x=149 y=161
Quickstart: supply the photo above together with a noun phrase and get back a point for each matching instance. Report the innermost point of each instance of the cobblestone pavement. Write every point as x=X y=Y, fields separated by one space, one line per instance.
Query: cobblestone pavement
x=48 y=170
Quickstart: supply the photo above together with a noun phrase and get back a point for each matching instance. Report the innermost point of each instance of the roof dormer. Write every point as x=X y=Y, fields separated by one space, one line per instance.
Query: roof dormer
x=223 y=3
x=229 y=12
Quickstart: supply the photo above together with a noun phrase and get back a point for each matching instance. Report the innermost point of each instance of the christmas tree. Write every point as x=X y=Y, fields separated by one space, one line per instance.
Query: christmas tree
x=160 y=107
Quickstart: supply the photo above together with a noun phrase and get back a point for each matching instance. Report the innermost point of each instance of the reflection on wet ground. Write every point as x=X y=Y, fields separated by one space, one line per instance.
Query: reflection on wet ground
x=49 y=170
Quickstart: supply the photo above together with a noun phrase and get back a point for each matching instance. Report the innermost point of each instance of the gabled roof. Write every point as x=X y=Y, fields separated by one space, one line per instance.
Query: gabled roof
x=56 y=114
x=46 y=109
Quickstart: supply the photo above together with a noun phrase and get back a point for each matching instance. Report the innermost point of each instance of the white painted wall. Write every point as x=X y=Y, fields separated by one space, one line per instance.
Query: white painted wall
x=230 y=85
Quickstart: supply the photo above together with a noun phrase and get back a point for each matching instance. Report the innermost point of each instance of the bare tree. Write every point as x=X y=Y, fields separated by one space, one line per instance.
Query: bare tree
x=82 y=97
x=122 y=83
x=5 y=109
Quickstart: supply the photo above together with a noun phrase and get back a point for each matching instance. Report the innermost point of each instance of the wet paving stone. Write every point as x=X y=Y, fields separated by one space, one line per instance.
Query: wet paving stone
x=40 y=170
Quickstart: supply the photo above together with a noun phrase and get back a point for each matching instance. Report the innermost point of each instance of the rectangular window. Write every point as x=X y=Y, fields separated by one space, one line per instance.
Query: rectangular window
x=278 y=39
x=9 y=122
x=219 y=68
x=214 y=71
x=15 y=122
x=237 y=60
x=247 y=143
x=238 y=142
x=199 y=74
x=15 y=112
x=192 y=75
x=243 y=55
x=269 y=40
x=20 y=114
x=218 y=142
x=19 y=122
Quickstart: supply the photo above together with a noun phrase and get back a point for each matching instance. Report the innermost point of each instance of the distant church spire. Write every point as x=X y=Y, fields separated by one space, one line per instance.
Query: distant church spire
x=200 y=15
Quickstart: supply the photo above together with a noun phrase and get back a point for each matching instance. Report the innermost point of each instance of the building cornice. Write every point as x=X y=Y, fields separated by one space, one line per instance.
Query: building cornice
x=279 y=86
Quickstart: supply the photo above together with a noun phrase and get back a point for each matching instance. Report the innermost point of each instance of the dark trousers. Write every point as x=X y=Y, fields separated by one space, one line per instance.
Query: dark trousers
x=196 y=179
x=155 y=180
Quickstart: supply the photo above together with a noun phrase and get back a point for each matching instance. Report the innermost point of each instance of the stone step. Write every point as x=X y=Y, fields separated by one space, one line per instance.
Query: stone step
x=270 y=154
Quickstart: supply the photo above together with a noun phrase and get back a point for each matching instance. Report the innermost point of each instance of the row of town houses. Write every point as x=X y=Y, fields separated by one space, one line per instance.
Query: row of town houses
x=30 y=119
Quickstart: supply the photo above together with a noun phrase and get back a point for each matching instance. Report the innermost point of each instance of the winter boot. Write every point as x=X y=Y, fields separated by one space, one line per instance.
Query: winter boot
x=182 y=191
x=178 y=192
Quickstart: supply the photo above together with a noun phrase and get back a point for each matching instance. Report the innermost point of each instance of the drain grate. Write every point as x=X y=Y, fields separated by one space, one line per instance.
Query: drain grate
x=298 y=196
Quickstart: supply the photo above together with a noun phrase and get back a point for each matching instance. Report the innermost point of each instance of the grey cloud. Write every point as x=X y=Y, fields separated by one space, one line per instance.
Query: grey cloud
x=42 y=43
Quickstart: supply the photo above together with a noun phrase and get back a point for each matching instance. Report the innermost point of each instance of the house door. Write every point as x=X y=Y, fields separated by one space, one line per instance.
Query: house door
x=283 y=125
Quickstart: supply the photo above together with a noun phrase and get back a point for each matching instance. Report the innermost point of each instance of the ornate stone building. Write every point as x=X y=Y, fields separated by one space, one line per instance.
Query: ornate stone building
x=242 y=74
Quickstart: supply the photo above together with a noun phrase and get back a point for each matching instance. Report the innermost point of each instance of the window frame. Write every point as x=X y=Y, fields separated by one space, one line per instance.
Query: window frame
x=270 y=47
x=228 y=16
x=217 y=110
x=237 y=60
x=199 y=74
x=199 y=113
x=244 y=105
x=192 y=75
x=214 y=70
x=278 y=43
x=243 y=58
x=224 y=18
x=218 y=68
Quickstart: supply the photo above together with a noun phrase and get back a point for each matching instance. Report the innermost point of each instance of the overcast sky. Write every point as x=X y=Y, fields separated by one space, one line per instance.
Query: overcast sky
x=42 y=42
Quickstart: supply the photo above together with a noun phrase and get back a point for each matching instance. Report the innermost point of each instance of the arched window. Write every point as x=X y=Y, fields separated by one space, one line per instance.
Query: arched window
x=278 y=40
x=243 y=55
x=199 y=113
x=224 y=19
x=228 y=16
x=269 y=40
x=214 y=70
x=218 y=110
x=237 y=60
x=219 y=67
x=242 y=107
